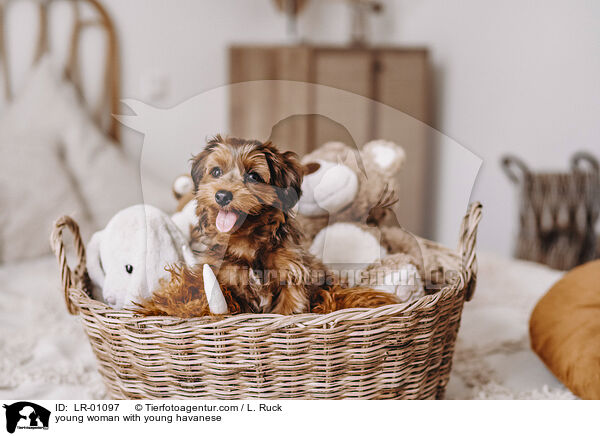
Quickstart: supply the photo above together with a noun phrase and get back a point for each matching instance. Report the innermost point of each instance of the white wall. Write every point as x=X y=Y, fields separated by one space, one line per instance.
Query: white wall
x=511 y=75
x=514 y=76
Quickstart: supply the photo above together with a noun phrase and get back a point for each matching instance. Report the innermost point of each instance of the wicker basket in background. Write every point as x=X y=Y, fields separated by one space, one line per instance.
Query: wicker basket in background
x=400 y=351
x=558 y=212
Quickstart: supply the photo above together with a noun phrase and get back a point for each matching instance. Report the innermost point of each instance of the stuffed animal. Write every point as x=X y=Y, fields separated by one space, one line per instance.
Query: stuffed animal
x=346 y=197
x=343 y=184
x=185 y=216
x=127 y=259
x=183 y=190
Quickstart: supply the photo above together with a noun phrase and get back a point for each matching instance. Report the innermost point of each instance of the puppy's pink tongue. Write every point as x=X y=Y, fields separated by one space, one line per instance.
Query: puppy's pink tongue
x=226 y=220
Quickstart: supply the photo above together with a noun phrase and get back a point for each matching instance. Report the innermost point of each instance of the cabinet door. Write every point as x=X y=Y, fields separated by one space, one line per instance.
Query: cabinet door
x=402 y=83
x=348 y=70
x=258 y=110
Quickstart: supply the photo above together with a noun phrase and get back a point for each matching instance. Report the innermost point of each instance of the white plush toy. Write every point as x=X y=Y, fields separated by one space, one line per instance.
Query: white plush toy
x=127 y=259
x=185 y=218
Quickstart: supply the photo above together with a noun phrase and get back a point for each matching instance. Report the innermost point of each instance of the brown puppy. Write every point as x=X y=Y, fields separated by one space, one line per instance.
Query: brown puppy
x=245 y=190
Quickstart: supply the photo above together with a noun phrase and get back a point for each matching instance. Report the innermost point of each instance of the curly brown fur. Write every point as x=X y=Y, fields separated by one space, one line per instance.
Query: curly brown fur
x=258 y=261
x=182 y=297
x=343 y=298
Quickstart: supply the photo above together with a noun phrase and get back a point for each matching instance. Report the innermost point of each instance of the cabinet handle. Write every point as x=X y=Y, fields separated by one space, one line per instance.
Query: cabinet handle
x=377 y=66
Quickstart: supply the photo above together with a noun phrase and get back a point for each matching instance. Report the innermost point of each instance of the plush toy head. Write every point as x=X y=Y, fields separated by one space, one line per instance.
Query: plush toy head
x=183 y=190
x=127 y=259
x=346 y=184
x=185 y=218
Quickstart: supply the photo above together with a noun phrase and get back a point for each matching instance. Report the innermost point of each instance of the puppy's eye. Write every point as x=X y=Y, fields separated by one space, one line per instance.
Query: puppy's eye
x=129 y=269
x=252 y=178
x=216 y=172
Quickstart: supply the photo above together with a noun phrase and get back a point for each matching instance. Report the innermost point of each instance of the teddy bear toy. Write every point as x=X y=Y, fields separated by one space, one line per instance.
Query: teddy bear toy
x=346 y=197
x=128 y=258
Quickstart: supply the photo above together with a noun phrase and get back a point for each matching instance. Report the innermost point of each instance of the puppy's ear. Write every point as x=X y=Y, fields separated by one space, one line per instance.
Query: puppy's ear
x=286 y=175
x=199 y=164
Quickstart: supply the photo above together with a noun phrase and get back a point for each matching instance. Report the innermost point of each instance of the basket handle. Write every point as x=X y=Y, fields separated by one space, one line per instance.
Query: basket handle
x=580 y=156
x=466 y=247
x=510 y=164
x=79 y=277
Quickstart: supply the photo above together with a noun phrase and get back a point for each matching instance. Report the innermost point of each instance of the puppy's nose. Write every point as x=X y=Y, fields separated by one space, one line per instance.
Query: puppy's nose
x=223 y=198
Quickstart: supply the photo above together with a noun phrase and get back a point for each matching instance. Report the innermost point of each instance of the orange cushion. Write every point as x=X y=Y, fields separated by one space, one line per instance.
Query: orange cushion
x=565 y=330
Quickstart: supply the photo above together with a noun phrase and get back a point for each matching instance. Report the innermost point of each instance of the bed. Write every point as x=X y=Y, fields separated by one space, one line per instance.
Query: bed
x=58 y=136
x=44 y=353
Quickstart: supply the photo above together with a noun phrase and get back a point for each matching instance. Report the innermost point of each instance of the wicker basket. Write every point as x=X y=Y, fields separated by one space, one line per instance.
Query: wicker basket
x=400 y=351
x=558 y=212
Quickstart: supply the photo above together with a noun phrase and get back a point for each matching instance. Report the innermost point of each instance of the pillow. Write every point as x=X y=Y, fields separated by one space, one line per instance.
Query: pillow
x=63 y=165
x=35 y=185
x=565 y=330
x=109 y=175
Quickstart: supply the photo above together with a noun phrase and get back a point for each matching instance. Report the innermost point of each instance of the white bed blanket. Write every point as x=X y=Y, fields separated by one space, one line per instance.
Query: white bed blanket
x=44 y=353
x=493 y=358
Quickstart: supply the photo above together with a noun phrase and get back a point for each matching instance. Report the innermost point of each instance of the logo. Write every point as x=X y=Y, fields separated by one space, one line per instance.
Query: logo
x=26 y=415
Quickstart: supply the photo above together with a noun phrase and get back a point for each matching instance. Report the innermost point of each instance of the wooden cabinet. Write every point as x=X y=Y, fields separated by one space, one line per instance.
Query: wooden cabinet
x=299 y=117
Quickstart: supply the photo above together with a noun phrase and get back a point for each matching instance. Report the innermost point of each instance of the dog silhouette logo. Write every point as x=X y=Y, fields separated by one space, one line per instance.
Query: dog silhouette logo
x=26 y=415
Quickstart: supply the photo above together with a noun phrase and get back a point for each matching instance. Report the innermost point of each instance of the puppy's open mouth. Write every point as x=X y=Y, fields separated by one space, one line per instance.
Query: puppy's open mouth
x=227 y=219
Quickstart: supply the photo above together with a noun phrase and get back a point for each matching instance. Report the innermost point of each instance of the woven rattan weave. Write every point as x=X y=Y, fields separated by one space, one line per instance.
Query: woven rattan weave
x=558 y=212
x=398 y=351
